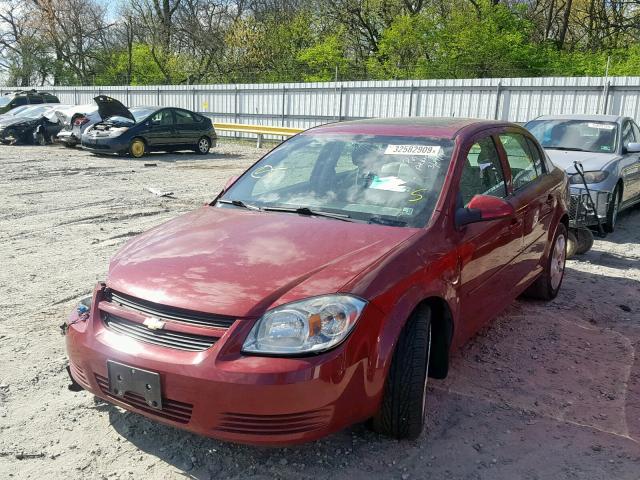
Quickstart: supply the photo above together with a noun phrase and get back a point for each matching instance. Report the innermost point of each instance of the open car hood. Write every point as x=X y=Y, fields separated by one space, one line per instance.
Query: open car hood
x=110 y=107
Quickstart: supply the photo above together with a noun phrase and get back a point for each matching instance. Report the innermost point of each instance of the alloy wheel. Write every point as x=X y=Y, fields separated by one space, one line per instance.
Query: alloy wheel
x=203 y=145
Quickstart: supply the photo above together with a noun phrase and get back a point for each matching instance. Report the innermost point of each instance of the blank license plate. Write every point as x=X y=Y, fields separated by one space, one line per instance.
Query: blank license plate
x=124 y=379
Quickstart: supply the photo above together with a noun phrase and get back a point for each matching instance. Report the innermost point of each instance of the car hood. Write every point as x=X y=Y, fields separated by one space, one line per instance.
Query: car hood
x=110 y=107
x=237 y=262
x=590 y=161
x=7 y=122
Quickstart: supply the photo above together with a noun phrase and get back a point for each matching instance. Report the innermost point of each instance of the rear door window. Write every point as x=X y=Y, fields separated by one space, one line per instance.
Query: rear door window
x=18 y=101
x=522 y=164
x=184 y=118
x=482 y=172
x=538 y=159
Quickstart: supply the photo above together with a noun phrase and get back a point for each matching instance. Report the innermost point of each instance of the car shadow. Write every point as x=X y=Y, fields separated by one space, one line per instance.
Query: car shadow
x=542 y=378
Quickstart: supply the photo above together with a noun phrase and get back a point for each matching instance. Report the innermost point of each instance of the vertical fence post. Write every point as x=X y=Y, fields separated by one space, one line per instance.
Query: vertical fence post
x=411 y=100
x=340 y=103
x=128 y=99
x=158 y=97
x=284 y=100
x=193 y=100
x=75 y=96
x=605 y=97
x=496 y=108
x=236 y=114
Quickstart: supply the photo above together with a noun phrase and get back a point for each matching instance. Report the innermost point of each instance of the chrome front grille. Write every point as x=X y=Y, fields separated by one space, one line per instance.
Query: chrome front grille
x=164 y=338
x=167 y=313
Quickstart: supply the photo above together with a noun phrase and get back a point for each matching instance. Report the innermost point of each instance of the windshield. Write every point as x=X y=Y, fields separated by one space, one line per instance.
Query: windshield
x=4 y=100
x=378 y=179
x=581 y=135
x=140 y=113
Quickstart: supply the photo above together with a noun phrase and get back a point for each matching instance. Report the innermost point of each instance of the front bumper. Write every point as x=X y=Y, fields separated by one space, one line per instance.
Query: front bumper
x=104 y=144
x=67 y=137
x=585 y=210
x=224 y=394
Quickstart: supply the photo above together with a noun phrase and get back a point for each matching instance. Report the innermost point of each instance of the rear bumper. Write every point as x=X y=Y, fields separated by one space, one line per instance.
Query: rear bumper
x=224 y=394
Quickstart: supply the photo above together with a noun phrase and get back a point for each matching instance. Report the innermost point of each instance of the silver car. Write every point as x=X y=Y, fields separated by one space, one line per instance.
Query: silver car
x=608 y=149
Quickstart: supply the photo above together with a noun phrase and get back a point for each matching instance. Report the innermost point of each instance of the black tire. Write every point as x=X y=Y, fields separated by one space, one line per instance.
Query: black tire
x=546 y=287
x=584 y=238
x=572 y=243
x=203 y=146
x=402 y=412
x=70 y=145
x=612 y=211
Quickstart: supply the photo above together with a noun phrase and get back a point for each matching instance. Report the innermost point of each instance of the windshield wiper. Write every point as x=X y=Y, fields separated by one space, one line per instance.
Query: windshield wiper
x=570 y=149
x=307 y=211
x=387 y=221
x=240 y=203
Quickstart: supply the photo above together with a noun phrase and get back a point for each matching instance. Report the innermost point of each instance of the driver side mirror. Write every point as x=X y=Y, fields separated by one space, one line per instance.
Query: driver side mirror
x=633 y=147
x=484 y=208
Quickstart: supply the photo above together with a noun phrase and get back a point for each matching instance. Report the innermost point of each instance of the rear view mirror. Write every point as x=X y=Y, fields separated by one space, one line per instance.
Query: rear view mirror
x=633 y=147
x=484 y=208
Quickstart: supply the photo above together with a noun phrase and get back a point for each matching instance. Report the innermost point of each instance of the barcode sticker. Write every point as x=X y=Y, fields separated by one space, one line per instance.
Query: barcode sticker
x=424 y=150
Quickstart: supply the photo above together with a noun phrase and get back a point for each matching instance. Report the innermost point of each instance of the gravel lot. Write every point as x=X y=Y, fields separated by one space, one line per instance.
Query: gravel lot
x=547 y=392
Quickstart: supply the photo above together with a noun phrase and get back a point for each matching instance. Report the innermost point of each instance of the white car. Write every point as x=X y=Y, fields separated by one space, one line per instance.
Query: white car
x=75 y=120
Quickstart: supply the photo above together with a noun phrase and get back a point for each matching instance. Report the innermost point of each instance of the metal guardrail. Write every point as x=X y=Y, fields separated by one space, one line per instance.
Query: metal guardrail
x=259 y=130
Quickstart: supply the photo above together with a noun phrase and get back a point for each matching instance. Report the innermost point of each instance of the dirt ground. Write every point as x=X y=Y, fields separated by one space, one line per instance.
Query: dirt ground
x=549 y=391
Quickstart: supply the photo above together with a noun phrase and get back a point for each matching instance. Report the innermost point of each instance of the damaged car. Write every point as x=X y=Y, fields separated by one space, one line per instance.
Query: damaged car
x=601 y=155
x=326 y=284
x=34 y=125
x=140 y=130
x=75 y=120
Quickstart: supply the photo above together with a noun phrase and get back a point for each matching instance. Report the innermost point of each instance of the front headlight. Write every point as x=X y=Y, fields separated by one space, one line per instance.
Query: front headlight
x=590 y=177
x=115 y=132
x=307 y=326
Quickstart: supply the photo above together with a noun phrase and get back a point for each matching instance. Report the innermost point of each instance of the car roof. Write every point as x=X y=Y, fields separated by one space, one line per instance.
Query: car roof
x=441 y=127
x=587 y=117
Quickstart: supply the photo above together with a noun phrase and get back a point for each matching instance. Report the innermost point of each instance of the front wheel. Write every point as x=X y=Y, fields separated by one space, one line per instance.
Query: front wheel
x=403 y=410
x=137 y=148
x=203 y=146
x=547 y=286
x=612 y=211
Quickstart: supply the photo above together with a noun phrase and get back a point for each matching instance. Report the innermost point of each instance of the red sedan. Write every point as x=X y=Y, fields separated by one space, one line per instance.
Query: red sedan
x=327 y=283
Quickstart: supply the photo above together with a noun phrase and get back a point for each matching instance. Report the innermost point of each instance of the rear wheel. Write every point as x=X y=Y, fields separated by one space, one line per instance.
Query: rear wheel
x=137 y=148
x=547 y=286
x=403 y=410
x=203 y=146
x=612 y=211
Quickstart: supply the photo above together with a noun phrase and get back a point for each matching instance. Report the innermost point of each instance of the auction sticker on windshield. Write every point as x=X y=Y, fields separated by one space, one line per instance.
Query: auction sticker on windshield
x=412 y=150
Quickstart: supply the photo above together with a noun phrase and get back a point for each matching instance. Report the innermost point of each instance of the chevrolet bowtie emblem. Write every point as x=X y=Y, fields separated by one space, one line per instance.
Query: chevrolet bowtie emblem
x=153 y=323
